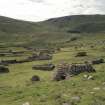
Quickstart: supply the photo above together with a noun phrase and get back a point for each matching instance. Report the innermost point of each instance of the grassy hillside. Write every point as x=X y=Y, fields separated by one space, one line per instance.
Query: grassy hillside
x=77 y=21
x=12 y=26
x=16 y=87
x=18 y=32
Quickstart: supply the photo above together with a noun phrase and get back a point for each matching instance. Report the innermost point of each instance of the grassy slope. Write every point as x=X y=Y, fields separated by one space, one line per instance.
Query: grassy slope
x=72 y=22
x=16 y=88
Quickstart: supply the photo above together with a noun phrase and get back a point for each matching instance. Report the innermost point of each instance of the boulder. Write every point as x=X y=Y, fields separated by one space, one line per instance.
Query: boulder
x=96 y=88
x=35 y=78
x=4 y=69
x=86 y=76
x=76 y=99
x=90 y=78
x=26 y=103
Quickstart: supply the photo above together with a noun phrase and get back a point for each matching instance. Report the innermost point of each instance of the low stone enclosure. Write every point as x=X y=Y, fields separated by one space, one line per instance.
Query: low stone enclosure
x=40 y=56
x=3 y=69
x=44 y=67
x=28 y=59
x=81 y=54
x=64 y=70
x=6 y=62
x=11 y=53
x=98 y=61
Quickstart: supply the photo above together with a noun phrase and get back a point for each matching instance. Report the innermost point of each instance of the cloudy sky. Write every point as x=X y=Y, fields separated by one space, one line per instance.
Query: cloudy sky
x=38 y=10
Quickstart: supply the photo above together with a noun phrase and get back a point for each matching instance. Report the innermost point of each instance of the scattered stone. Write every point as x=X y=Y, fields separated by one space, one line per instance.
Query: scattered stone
x=103 y=83
x=90 y=78
x=76 y=98
x=104 y=88
x=92 y=92
x=35 y=78
x=96 y=88
x=86 y=76
x=27 y=103
x=73 y=84
x=65 y=104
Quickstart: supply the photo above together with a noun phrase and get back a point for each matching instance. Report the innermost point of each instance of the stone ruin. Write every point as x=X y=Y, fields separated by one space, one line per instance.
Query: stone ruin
x=48 y=51
x=81 y=54
x=61 y=72
x=7 y=62
x=64 y=70
x=3 y=69
x=13 y=61
x=76 y=69
x=44 y=56
x=45 y=67
x=11 y=53
x=40 y=56
x=98 y=61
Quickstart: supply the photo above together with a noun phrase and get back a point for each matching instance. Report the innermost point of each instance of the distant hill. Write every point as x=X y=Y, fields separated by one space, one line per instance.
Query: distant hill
x=82 y=23
x=9 y=25
x=56 y=30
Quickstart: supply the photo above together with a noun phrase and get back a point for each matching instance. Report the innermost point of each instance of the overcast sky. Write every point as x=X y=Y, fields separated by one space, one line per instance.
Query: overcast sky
x=37 y=10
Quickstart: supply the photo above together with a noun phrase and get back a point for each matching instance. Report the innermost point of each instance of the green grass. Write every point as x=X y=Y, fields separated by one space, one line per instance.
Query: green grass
x=16 y=88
